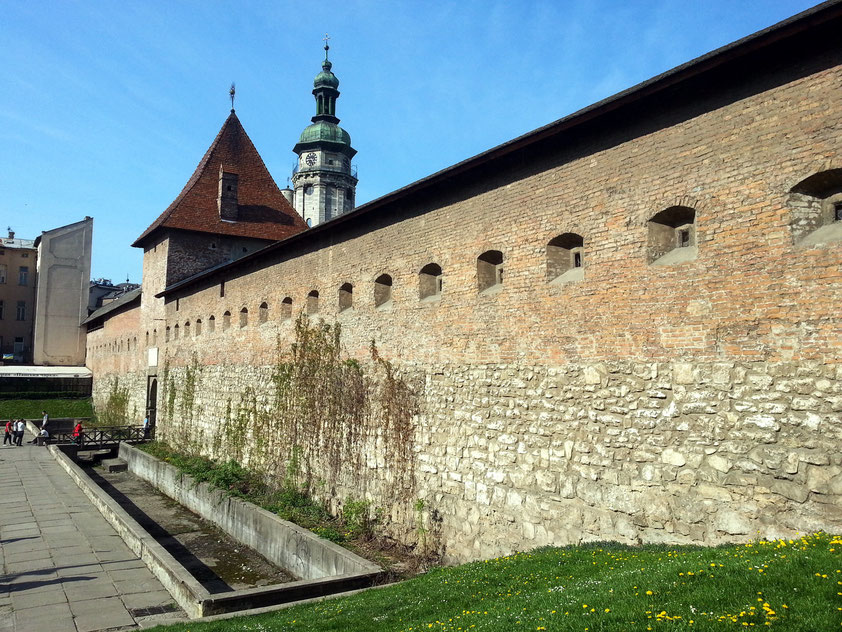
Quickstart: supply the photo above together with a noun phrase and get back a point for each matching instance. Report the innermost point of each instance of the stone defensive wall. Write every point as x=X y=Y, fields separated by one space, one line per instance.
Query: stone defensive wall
x=681 y=384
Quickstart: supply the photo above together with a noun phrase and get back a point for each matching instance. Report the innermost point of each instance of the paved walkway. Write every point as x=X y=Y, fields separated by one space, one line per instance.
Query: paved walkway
x=64 y=568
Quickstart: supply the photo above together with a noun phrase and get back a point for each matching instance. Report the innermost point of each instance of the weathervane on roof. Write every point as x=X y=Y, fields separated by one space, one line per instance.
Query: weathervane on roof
x=327 y=47
x=231 y=94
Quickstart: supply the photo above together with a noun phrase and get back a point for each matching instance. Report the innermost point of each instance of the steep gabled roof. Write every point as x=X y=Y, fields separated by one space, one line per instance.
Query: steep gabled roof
x=263 y=211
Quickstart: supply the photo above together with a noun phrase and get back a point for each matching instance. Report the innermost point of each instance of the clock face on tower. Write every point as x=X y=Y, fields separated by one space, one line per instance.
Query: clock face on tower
x=310 y=159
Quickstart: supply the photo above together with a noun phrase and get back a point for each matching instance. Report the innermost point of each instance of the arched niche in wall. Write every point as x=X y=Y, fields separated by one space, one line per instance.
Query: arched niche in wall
x=566 y=258
x=430 y=282
x=383 y=290
x=490 y=271
x=672 y=236
x=313 y=302
x=815 y=206
x=286 y=308
x=346 y=297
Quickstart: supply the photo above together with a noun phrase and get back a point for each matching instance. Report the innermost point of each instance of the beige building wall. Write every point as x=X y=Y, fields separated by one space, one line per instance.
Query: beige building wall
x=17 y=297
x=64 y=272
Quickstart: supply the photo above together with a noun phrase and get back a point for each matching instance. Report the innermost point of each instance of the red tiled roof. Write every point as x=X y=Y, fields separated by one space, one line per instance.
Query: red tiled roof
x=263 y=211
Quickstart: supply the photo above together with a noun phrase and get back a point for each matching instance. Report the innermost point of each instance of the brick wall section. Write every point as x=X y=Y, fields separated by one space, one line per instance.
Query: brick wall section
x=693 y=402
x=189 y=253
x=118 y=352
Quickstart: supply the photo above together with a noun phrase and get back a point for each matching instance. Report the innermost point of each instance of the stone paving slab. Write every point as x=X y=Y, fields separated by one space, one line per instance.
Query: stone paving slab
x=64 y=568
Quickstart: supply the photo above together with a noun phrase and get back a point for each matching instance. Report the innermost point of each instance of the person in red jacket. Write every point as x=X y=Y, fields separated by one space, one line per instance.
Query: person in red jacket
x=8 y=438
x=77 y=433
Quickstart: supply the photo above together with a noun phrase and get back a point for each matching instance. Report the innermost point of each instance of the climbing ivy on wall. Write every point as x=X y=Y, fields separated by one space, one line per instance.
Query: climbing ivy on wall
x=321 y=421
x=115 y=410
x=333 y=417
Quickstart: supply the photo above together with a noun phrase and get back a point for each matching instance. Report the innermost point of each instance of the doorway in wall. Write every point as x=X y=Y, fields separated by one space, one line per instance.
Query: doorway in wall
x=151 y=399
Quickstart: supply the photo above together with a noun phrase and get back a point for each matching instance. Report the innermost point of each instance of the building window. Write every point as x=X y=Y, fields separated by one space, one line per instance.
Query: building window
x=672 y=236
x=244 y=317
x=211 y=324
x=263 y=312
x=382 y=290
x=815 y=206
x=565 y=258
x=187 y=330
x=2 y=272
x=167 y=335
x=147 y=338
x=490 y=270
x=20 y=314
x=1 y=310
x=313 y=302
x=154 y=337
x=198 y=327
x=175 y=333
x=346 y=297
x=23 y=275
x=226 y=321
x=286 y=308
x=222 y=289
x=328 y=202
x=430 y=281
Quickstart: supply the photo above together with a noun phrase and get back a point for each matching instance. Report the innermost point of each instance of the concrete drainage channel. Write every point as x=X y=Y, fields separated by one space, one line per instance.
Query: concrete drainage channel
x=323 y=567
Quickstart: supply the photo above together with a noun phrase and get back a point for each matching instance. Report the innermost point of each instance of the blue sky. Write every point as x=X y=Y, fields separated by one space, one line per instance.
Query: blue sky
x=108 y=106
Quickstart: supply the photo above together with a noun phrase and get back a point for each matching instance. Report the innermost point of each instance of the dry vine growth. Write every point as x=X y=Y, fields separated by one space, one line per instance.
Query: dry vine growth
x=321 y=422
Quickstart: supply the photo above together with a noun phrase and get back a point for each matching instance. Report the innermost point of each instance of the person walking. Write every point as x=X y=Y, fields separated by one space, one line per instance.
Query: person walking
x=19 y=428
x=44 y=420
x=9 y=437
x=77 y=433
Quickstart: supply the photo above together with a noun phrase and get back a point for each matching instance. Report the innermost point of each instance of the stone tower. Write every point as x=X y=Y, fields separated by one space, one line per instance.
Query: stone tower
x=324 y=182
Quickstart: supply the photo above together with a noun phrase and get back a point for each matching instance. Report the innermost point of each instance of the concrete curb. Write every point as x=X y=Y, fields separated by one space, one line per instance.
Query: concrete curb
x=184 y=588
x=325 y=567
x=253 y=526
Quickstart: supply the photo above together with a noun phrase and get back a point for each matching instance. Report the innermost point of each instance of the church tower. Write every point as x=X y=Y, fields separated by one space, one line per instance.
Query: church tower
x=324 y=181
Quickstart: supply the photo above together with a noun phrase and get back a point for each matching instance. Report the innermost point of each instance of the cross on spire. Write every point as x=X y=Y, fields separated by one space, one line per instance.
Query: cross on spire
x=327 y=46
x=231 y=94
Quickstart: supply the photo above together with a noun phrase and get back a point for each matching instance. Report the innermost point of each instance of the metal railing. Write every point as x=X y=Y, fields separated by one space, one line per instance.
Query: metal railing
x=105 y=437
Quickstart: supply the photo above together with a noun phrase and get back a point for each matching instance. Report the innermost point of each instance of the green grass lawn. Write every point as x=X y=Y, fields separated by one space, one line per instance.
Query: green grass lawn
x=31 y=408
x=783 y=585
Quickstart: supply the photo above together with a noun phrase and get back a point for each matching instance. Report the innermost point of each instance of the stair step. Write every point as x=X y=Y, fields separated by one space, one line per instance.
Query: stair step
x=115 y=465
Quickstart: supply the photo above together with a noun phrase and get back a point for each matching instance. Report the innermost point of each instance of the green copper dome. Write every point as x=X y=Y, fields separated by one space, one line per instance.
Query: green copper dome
x=324 y=131
x=326 y=79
